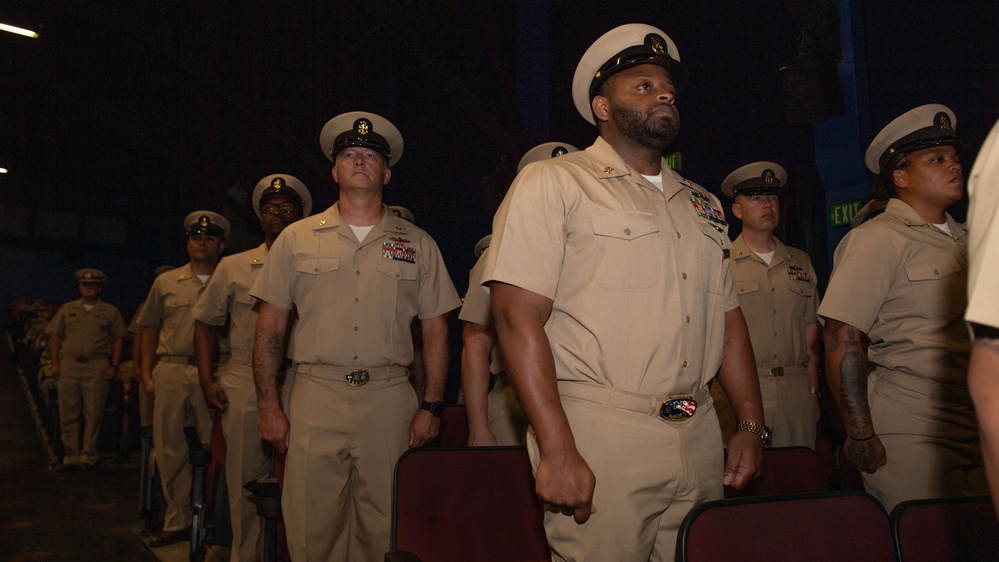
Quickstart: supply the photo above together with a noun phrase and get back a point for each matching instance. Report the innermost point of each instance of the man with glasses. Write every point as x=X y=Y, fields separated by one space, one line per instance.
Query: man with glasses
x=168 y=339
x=278 y=200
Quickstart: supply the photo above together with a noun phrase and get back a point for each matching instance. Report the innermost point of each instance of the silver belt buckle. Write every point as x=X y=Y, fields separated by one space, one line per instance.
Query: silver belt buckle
x=678 y=408
x=357 y=378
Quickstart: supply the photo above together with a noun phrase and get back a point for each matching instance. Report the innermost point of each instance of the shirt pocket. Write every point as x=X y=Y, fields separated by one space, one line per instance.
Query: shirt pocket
x=631 y=254
x=398 y=270
x=175 y=302
x=316 y=276
x=938 y=286
x=746 y=287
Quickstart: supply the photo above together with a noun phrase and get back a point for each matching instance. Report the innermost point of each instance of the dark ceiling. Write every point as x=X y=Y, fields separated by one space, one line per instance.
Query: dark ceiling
x=124 y=116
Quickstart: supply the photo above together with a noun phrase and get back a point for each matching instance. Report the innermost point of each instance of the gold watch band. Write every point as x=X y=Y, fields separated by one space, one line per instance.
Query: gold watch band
x=759 y=430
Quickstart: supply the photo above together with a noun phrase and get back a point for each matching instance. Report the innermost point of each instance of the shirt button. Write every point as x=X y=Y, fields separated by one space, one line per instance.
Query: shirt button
x=396 y=275
x=355 y=358
x=357 y=299
x=684 y=363
x=357 y=273
x=355 y=328
x=678 y=235
x=627 y=232
x=316 y=270
x=684 y=275
x=688 y=320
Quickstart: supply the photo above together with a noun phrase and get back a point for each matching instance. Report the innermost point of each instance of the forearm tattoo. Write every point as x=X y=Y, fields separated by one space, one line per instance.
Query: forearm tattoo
x=853 y=382
x=267 y=360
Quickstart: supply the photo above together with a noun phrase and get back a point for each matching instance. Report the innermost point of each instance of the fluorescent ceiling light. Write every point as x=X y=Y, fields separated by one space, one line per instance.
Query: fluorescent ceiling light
x=17 y=30
x=3 y=170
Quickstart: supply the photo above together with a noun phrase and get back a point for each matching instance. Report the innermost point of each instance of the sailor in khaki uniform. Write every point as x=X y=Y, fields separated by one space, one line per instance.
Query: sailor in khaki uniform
x=168 y=341
x=494 y=416
x=777 y=292
x=278 y=200
x=900 y=279
x=87 y=338
x=983 y=301
x=613 y=296
x=357 y=275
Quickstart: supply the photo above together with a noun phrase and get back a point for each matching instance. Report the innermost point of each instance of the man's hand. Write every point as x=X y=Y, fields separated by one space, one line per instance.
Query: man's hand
x=868 y=455
x=564 y=484
x=273 y=427
x=745 y=459
x=424 y=427
x=215 y=396
x=147 y=383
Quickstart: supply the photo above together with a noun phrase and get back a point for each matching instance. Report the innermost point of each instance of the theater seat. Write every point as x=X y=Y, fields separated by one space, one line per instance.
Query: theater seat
x=461 y=504
x=832 y=526
x=945 y=529
x=786 y=470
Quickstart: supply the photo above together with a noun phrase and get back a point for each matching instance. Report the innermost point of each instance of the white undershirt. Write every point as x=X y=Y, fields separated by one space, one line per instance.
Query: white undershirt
x=944 y=227
x=361 y=231
x=89 y=307
x=656 y=180
x=766 y=256
x=204 y=278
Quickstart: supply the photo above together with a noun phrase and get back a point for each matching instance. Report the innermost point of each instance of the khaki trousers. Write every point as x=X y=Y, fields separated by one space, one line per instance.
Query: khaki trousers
x=787 y=409
x=506 y=418
x=82 y=390
x=344 y=443
x=247 y=458
x=649 y=474
x=930 y=438
x=179 y=403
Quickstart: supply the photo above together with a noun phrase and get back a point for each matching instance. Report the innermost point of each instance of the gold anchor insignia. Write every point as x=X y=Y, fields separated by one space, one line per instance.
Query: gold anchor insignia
x=203 y=221
x=278 y=183
x=88 y=275
x=768 y=176
x=559 y=151
x=944 y=123
x=658 y=45
x=363 y=127
x=608 y=170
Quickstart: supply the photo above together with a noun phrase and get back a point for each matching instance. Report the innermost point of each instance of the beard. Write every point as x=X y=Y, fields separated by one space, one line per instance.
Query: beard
x=650 y=132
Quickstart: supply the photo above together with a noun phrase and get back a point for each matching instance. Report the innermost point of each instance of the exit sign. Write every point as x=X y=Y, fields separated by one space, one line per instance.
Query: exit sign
x=673 y=161
x=843 y=213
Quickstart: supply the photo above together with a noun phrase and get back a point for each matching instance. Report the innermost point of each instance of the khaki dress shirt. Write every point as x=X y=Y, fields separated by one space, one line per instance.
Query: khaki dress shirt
x=639 y=279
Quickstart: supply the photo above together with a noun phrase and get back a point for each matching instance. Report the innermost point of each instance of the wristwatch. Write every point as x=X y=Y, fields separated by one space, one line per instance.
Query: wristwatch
x=759 y=430
x=436 y=409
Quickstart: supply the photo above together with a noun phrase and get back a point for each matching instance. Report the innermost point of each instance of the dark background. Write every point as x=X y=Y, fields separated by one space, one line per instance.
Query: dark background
x=125 y=116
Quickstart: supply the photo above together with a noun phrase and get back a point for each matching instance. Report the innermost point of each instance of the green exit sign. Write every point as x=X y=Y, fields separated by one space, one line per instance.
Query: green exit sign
x=673 y=161
x=843 y=213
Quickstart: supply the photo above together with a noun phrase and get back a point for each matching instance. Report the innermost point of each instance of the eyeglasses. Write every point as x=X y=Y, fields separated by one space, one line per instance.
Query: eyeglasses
x=283 y=208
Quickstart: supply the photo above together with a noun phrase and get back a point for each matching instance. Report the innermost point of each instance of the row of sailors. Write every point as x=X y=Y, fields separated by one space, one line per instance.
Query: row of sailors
x=570 y=283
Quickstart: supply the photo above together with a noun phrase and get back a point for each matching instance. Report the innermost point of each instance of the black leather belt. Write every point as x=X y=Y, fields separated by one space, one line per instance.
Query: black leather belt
x=85 y=358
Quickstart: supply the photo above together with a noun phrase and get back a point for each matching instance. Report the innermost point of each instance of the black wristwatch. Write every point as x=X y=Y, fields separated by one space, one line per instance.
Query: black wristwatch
x=436 y=409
